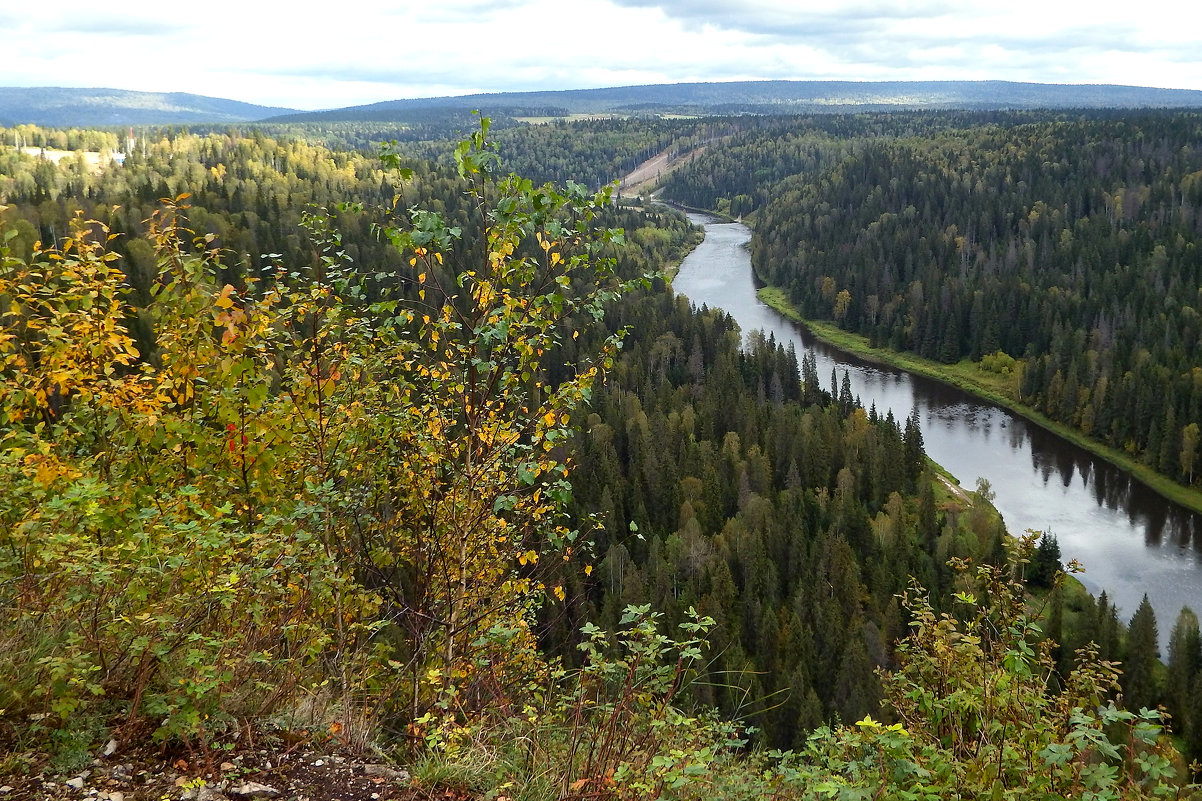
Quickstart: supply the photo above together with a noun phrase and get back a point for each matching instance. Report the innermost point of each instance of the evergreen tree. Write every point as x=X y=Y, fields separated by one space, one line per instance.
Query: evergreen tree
x=1140 y=689
x=1185 y=660
x=1193 y=714
x=913 y=448
x=1045 y=562
x=1108 y=629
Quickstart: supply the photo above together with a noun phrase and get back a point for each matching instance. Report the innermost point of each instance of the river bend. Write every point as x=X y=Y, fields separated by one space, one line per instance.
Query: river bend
x=1130 y=540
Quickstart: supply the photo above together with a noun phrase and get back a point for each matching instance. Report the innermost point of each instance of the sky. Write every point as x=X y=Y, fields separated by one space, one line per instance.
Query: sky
x=306 y=55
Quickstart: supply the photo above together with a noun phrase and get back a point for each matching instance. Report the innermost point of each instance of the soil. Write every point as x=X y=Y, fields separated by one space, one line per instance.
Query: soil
x=148 y=774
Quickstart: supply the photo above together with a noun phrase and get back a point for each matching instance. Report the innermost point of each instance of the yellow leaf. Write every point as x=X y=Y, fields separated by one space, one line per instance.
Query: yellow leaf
x=224 y=301
x=559 y=593
x=588 y=570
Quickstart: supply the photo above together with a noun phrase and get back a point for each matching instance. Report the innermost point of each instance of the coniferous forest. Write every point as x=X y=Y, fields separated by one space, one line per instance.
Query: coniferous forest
x=394 y=451
x=1059 y=251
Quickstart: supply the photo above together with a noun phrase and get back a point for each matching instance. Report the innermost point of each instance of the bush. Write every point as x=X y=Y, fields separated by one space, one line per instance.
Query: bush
x=972 y=715
x=307 y=481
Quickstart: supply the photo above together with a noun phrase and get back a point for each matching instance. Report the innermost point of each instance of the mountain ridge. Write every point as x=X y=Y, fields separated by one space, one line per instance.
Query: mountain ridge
x=779 y=97
x=106 y=107
x=56 y=106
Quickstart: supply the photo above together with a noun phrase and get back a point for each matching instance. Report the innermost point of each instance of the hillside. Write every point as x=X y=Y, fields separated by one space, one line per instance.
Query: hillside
x=770 y=97
x=69 y=107
x=447 y=477
x=63 y=107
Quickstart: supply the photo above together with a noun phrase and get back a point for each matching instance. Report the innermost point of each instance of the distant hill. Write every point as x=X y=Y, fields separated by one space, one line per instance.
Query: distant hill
x=64 y=108
x=769 y=97
x=60 y=107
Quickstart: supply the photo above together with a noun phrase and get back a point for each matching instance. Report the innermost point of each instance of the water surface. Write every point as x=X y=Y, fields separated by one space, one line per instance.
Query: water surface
x=1130 y=540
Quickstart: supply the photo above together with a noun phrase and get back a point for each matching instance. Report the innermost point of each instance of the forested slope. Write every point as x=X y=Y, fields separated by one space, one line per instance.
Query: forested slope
x=756 y=478
x=1067 y=243
x=368 y=467
x=783 y=511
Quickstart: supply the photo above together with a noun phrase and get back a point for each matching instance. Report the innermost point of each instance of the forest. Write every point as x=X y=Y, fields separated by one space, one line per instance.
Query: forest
x=1057 y=251
x=436 y=449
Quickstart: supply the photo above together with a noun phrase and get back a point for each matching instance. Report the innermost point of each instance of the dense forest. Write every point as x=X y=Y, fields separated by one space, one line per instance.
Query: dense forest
x=436 y=447
x=1061 y=251
x=752 y=453
x=753 y=498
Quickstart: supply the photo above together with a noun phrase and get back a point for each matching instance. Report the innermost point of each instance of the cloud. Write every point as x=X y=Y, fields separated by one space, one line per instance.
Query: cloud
x=469 y=11
x=365 y=51
x=105 y=25
x=806 y=21
x=871 y=32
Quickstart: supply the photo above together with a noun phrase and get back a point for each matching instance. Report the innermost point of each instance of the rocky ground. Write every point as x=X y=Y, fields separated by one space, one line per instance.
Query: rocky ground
x=300 y=774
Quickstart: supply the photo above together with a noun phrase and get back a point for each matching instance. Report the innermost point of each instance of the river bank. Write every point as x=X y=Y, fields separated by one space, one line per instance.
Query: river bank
x=961 y=376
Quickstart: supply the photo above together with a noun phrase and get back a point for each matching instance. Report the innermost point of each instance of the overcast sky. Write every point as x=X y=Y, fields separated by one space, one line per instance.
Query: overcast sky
x=348 y=52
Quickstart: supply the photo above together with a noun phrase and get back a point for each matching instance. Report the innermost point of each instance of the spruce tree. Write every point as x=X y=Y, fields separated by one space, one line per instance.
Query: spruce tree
x=913 y=449
x=1045 y=562
x=1193 y=728
x=1141 y=655
x=1185 y=659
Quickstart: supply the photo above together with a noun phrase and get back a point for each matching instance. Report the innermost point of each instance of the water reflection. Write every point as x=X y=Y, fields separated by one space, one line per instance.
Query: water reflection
x=1130 y=539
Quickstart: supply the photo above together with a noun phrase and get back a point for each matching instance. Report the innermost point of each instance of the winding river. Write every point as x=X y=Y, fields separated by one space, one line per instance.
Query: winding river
x=1130 y=540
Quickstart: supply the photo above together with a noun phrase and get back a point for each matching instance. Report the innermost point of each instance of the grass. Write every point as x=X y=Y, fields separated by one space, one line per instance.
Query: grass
x=997 y=389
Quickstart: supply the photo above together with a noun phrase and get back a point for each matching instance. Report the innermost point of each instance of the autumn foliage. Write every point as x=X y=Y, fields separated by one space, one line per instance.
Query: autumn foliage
x=311 y=488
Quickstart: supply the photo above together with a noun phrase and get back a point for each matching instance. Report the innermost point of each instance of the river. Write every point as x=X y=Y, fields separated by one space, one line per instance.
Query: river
x=1129 y=539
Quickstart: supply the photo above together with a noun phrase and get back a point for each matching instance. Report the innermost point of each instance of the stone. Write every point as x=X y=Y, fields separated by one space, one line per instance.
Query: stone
x=254 y=790
x=76 y=783
x=386 y=772
x=110 y=748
